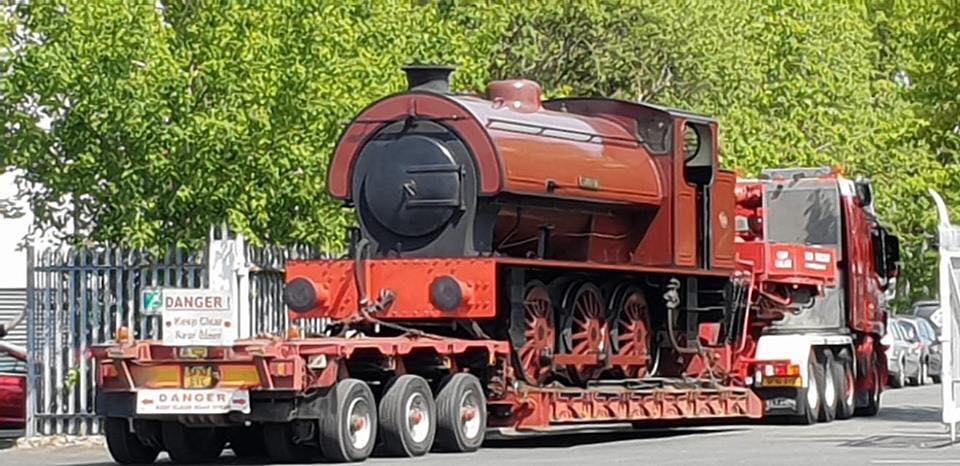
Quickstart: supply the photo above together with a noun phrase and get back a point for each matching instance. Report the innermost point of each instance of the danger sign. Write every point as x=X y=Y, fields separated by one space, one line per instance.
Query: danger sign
x=192 y=317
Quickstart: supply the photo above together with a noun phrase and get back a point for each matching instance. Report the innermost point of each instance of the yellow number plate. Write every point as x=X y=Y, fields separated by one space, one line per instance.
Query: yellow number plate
x=198 y=377
x=781 y=381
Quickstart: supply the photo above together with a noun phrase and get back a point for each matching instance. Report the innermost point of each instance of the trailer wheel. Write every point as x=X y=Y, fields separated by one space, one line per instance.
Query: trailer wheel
x=408 y=417
x=247 y=442
x=125 y=446
x=192 y=445
x=828 y=387
x=873 y=401
x=282 y=441
x=461 y=414
x=349 y=431
x=809 y=399
x=846 y=387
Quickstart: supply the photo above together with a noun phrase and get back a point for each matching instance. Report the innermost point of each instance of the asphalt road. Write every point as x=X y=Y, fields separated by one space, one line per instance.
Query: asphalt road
x=907 y=431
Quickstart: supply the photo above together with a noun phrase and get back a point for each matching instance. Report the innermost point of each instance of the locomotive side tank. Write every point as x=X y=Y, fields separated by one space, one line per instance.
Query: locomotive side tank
x=438 y=174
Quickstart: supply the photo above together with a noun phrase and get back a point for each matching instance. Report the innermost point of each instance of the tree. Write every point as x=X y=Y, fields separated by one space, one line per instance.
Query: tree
x=168 y=117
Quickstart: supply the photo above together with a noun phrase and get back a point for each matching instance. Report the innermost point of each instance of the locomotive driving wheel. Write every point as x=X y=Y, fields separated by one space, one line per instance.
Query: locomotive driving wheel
x=585 y=330
x=539 y=334
x=630 y=330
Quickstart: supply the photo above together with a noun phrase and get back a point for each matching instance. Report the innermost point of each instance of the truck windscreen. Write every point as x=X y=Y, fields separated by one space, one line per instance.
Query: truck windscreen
x=806 y=211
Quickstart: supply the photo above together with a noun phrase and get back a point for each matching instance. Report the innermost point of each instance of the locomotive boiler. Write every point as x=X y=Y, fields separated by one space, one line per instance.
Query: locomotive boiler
x=434 y=173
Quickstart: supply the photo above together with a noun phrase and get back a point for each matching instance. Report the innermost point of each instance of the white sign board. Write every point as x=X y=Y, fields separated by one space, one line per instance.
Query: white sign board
x=187 y=401
x=950 y=317
x=192 y=317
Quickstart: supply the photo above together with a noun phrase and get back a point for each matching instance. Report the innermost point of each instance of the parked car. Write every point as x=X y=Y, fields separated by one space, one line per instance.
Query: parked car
x=903 y=354
x=929 y=309
x=13 y=386
x=922 y=332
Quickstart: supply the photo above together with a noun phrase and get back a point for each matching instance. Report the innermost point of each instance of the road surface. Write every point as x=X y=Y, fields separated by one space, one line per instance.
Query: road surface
x=907 y=431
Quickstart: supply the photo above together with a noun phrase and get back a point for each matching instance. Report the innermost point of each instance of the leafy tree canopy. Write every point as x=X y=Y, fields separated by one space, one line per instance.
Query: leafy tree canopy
x=166 y=117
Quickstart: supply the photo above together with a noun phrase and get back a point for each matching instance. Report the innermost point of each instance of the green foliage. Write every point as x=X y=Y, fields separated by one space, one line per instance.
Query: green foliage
x=168 y=120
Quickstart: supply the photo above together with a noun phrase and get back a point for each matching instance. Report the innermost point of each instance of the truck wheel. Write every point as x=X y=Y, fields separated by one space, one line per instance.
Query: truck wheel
x=191 y=445
x=828 y=387
x=408 y=417
x=282 y=441
x=846 y=387
x=809 y=399
x=461 y=414
x=247 y=442
x=125 y=446
x=349 y=431
x=900 y=378
x=873 y=401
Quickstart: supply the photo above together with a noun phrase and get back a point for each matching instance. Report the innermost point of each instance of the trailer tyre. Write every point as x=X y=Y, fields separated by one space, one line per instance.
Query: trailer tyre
x=125 y=446
x=846 y=386
x=247 y=442
x=192 y=445
x=349 y=431
x=280 y=442
x=827 y=386
x=461 y=414
x=809 y=399
x=873 y=401
x=408 y=417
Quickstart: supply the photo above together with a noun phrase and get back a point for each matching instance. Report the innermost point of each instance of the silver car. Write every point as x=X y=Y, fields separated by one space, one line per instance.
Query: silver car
x=904 y=353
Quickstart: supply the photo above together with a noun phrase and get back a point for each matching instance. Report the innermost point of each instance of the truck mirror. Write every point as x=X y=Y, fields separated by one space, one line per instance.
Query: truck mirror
x=864 y=191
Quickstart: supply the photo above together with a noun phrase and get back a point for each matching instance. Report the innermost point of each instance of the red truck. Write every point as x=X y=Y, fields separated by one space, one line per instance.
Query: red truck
x=835 y=341
x=519 y=263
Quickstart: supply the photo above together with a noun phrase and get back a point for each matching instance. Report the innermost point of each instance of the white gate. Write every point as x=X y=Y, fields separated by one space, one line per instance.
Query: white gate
x=950 y=309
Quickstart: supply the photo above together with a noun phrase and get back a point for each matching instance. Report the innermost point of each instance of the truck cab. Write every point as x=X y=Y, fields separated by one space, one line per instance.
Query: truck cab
x=835 y=340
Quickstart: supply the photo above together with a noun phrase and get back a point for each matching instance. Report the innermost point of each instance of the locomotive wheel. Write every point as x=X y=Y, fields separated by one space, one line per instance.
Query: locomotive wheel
x=585 y=330
x=539 y=332
x=630 y=329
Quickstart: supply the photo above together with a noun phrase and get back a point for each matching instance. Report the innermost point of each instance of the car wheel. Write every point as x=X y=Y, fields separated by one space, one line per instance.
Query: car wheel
x=899 y=379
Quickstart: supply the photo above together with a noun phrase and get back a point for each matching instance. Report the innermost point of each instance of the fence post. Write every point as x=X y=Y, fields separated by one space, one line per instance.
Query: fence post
x=32 y=377
x=229 y=272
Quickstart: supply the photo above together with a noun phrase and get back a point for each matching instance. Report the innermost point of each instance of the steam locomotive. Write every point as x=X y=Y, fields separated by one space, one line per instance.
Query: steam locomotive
x=557 y=224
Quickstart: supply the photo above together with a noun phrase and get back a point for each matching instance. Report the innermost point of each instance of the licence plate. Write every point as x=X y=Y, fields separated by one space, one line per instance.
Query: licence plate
x=198 y=376
x=781 y=381
x=182 y=401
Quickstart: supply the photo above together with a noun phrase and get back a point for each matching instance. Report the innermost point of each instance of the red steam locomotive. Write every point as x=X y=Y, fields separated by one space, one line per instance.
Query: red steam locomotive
x=519 y=263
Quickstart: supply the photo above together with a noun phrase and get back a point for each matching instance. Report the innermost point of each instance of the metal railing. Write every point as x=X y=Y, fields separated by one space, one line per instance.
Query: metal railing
x=78 y=297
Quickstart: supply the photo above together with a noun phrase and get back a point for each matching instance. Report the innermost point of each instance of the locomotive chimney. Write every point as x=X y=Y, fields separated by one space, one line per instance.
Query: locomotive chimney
x=433 y=78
